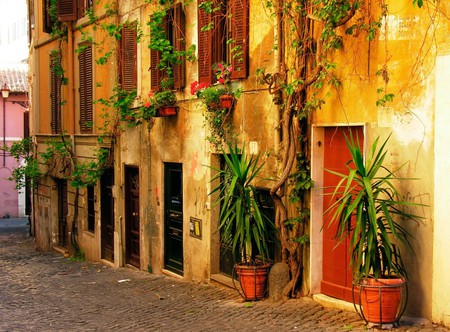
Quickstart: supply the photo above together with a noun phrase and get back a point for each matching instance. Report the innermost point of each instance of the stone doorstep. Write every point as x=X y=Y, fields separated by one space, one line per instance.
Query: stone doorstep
x=223 y=280
x=59 y=249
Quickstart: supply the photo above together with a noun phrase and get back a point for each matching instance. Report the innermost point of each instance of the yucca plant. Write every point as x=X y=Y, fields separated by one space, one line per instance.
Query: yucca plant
x=243 y=226
x=368 y=209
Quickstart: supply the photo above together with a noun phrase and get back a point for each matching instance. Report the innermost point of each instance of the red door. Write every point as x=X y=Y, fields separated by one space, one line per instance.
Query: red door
x=337 y=276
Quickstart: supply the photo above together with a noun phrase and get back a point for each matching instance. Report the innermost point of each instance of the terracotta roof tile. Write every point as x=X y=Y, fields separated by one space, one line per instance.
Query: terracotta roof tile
x=15 y=75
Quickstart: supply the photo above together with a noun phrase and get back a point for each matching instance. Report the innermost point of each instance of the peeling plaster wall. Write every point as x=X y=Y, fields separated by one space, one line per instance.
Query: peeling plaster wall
x=418 y=122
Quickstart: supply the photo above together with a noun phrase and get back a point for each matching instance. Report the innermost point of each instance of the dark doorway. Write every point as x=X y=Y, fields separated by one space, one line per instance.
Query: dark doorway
x=63 y=209
x=173 y=217
x=107 y=214
x=132 y=220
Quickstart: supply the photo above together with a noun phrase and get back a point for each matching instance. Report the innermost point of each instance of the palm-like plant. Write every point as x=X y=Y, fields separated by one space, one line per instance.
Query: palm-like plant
x=241 y=222
x=368 y=208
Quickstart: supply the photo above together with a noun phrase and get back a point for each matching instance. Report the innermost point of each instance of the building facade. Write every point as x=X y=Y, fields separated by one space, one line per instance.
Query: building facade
x=150 y=208
x=14 y=77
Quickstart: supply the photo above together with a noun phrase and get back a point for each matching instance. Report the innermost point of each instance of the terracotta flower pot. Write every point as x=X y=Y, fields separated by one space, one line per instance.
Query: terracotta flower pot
x=164 y=111
x=381 y=299
x=253 y=280
x=227 y=101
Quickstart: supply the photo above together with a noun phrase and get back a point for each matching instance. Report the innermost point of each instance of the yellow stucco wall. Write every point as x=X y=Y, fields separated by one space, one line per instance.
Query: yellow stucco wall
x=416 y=118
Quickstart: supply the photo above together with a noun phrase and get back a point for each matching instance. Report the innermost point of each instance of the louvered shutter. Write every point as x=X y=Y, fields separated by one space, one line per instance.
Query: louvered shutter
x=86 y=90
x=205 y=57
x=67 y=10
x=129 y=58
x=81 y=8
x=178 y=24
x=55 y=96
x=154 y=70
x=239 y=34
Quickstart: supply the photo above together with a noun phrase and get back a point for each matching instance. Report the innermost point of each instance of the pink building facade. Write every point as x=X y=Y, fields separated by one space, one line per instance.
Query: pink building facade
x=13 y=127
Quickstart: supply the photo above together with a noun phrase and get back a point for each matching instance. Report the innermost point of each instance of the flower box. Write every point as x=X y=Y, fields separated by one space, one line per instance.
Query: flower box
x=227 y=101
x=165 y=111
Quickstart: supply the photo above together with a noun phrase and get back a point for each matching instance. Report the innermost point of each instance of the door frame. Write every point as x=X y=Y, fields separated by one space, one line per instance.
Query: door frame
x=316 y=237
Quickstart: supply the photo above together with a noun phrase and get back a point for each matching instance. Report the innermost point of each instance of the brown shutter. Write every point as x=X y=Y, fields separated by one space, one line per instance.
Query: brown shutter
x=67 y=10
x=81 y=8
x=55 y=96
x=155 y=72
x=86 y=90
x=239 y=34
x=128 y=59
x=179 y=42
x=205 y=58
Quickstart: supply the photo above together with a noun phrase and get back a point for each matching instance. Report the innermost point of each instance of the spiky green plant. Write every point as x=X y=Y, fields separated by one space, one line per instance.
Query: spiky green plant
x=243 y=226
x=369 y=210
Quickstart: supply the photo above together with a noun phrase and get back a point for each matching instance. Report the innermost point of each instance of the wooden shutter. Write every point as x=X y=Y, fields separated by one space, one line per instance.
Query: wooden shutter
x=55 y=95
x=179 y=42
x=86 y=89
x=205 y=58
x=128 y=59
x=239 y=34
x=67 y=10
x=155 y=72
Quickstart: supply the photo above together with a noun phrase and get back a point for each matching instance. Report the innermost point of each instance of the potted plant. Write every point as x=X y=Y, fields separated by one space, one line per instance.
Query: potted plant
x=164 y=103
x=242 y=224
x=367 y=210
x=217 y=96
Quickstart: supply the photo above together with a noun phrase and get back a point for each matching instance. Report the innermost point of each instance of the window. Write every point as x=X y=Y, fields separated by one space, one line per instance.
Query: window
x=48 y=22
x=91 y=208
x=86 y=87
x=223 y=37
x=82 y=7
x=128 y=58
x=55 y=94
x=66 y=10
x=174 y=27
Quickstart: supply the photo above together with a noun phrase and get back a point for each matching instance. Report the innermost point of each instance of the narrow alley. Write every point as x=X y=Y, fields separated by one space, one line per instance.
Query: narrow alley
x=47 y=292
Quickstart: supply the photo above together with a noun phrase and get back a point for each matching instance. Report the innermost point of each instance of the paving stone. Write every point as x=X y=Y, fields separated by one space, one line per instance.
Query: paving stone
x=46 y=292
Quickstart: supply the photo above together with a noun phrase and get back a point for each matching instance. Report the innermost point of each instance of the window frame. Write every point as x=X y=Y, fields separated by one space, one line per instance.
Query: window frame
x=174 y=24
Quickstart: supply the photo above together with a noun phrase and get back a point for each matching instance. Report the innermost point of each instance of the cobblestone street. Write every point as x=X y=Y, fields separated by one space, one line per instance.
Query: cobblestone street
x=47 y=292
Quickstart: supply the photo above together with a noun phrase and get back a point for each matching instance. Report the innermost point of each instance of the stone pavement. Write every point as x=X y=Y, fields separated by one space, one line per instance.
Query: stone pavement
x=47 y=292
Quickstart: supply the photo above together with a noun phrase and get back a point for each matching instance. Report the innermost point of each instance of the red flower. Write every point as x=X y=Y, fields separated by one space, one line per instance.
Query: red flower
x=147 y=104
x=194 y=87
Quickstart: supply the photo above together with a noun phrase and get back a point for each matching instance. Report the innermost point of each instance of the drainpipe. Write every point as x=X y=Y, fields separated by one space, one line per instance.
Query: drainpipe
x=278 y=35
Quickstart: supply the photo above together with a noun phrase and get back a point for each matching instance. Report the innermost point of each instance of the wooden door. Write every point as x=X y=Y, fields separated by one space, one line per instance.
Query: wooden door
x=173 y=218
x=337 y=276
x=107 y=215
x=132 y=220
x=63 y=209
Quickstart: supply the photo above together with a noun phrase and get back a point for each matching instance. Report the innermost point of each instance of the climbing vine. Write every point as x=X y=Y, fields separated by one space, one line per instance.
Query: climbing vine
x=316 y=31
